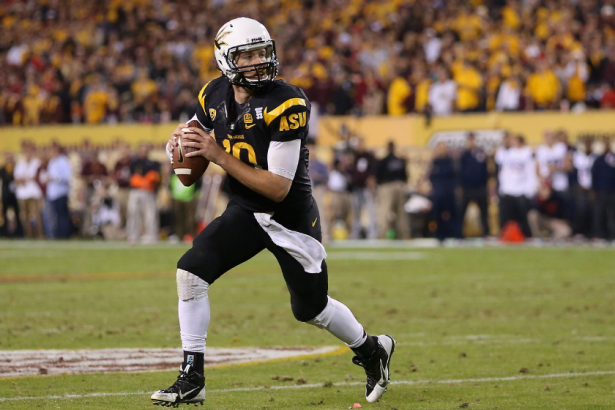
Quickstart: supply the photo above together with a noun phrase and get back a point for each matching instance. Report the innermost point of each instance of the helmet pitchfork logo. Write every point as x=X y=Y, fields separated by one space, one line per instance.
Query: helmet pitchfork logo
x=219 y=41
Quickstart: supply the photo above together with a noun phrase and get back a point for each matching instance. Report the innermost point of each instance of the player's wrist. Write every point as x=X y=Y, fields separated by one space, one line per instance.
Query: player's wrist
x=222 y=159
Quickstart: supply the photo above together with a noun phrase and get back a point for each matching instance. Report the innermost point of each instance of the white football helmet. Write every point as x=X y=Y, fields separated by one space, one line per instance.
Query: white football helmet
x=241 y=35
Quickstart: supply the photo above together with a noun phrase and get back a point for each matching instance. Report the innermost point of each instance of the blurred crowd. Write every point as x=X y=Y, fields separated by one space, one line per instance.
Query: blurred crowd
x=555 y=191
x=50 y=192
x=74 y=61
x=471 y=188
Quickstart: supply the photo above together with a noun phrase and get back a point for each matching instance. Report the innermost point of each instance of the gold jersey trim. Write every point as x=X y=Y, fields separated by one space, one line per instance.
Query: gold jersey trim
x=202 y=97
x=270 y=116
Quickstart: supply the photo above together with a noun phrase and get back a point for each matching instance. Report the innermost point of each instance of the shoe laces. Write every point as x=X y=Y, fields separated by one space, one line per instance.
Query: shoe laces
x=182 y=380
x=371 y=367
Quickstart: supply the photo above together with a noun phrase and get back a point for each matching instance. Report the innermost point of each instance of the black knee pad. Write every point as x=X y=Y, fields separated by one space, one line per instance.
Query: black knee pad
x=306 y=309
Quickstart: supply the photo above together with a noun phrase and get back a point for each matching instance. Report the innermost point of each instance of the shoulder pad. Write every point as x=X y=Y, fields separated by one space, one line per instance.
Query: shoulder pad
x=281 y=97
x=210 y=87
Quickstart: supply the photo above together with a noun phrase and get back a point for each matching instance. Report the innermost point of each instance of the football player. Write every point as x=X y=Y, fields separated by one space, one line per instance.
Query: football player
x=256 y=130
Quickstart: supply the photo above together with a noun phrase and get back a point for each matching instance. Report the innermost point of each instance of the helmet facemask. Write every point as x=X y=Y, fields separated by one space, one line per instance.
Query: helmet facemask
x=265 y=72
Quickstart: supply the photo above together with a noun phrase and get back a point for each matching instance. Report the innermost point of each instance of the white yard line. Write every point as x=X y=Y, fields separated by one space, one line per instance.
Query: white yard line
x=341 y=384
x=376 y=256
x=471 y=342
x=426 y=243
x=496 y=339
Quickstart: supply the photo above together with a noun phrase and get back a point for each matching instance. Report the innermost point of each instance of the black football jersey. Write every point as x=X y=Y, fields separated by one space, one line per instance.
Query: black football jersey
x=279 y=112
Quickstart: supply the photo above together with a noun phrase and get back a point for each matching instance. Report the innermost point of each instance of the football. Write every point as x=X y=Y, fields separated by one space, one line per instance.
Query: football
x=188 y=169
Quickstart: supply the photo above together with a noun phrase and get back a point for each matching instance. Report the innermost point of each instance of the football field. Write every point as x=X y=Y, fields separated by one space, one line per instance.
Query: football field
x=478 y=328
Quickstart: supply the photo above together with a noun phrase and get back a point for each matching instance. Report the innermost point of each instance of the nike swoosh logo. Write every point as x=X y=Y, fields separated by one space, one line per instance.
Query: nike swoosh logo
x=181 y=151
x=314 y=223
x=249 y=126
x=181 y=396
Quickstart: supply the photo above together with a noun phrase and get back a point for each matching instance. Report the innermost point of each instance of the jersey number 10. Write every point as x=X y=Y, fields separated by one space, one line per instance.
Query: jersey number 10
x=236 y=150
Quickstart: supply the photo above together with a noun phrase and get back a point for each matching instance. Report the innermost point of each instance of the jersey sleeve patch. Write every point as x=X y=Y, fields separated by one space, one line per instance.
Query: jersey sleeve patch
x=201 y=111
x=276 y=112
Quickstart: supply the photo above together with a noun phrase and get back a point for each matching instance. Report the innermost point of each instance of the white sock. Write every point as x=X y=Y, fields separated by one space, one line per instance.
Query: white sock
x=341 y=323
x=193 y=309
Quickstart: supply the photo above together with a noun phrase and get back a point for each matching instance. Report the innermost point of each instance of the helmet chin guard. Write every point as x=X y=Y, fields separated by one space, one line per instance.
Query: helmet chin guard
x=239 y=36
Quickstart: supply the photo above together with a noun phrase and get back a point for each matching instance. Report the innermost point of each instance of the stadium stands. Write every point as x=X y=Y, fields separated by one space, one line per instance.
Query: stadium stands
x=144 y=61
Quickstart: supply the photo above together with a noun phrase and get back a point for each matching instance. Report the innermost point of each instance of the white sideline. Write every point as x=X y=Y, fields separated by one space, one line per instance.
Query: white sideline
x=376 y=256
x=314 y=385
x=347 y=244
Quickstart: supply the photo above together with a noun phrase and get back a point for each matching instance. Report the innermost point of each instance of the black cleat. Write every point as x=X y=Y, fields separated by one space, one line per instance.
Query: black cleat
x=377 y=368
x=189 y=389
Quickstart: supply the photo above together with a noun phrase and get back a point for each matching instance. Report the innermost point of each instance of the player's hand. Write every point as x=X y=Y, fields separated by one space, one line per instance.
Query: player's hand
x=172 y=143
x=204 y=143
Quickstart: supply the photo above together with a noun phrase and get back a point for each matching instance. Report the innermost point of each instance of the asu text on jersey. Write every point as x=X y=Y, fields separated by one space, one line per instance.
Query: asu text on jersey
x=280 y=112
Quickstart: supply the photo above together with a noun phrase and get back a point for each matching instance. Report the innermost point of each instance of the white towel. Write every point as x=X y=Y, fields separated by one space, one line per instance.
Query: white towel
x=306 y=250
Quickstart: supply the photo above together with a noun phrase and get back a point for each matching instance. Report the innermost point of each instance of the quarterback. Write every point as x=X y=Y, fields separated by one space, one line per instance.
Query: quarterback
x=255 y=128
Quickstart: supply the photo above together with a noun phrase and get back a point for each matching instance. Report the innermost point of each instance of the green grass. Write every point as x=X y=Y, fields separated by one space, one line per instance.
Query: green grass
x=457 y=314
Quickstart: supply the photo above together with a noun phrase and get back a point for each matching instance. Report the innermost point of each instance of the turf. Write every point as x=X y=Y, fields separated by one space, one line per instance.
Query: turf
x=458 y=314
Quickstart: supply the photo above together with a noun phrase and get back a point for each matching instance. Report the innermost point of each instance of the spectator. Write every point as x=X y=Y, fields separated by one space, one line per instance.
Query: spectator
x=432 y=45
x=399 y=95
x=608 y=97
x=42 y=179
x=576 y=74
x=517 y=182
x=442 y=94
x=143 y=88
x=493 y=81
x=319 y=175
x=185 y=201
x=96 y=102
x=422 y=83
x=543 y=88
x=29 y=193
x=509 y=95
x=373 y=101
x=549 y=214
x=9 y=198
x=474 y=177
x=603 y=183
x=363 y=187
x=58 y=177
x=106 y=219
x=596 y=61
x=392 y=177
x=583 y=161
x=339 y=188
x=608 y=72
x=443 y=180
x=121 y=175
x=469 y=82
x=341 y=103
x=94 y=174
x=144 y=179
x=32 y=104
